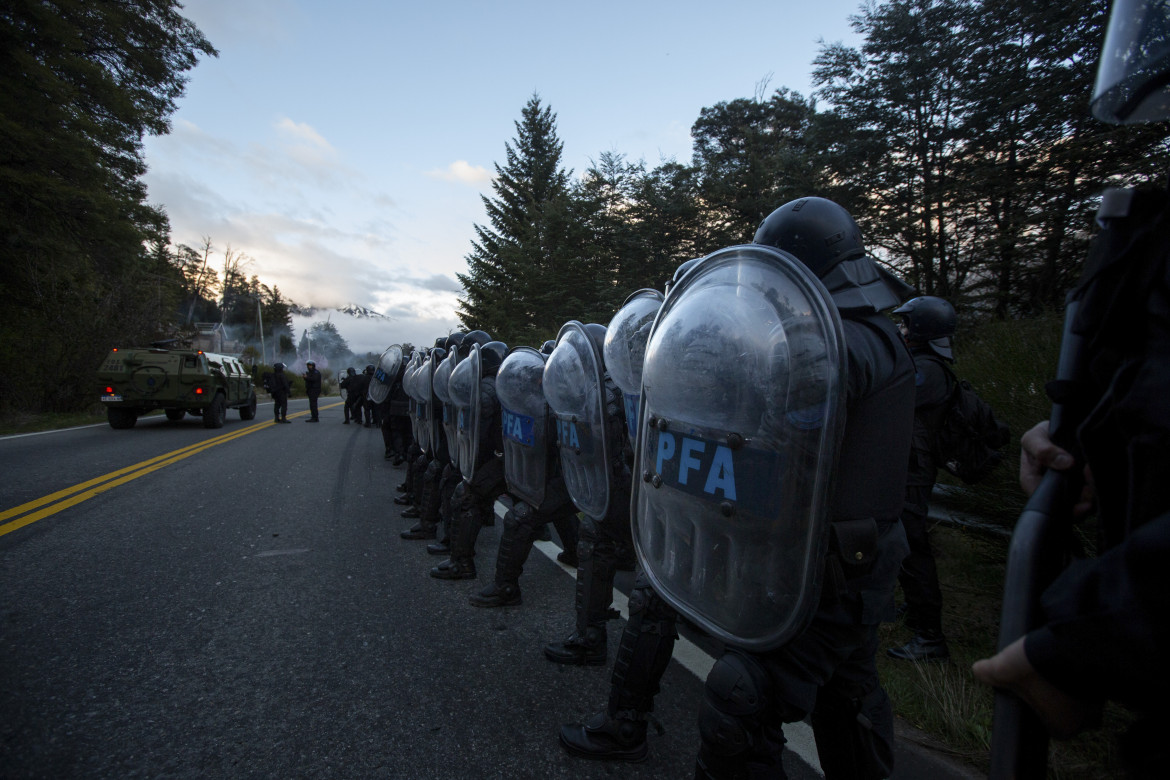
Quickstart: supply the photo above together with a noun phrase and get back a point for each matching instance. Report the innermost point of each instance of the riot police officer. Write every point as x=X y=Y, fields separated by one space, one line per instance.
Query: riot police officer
x=343 y=386
x=759 y=392
x=443 y=358
x=382 y=385
x=312 y=379
x=928 y=323
x=1102 y=632
x=532 y=474
x=473 y=391
x=619 y=731
x=366 y=405
x=594 y=453
x=280 y=392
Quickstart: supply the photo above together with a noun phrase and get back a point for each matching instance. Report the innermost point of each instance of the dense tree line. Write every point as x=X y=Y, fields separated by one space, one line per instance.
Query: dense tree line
x=85 y=261
x=958 y=133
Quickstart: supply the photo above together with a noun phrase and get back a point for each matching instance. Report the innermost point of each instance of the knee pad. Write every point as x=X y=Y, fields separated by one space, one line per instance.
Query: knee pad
x=736 y=696
x=519 y=518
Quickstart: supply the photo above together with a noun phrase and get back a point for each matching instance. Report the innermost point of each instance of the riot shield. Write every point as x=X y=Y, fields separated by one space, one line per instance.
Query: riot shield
x=525 y=418
x=408 y=385
x=625 y=349
x=740 y=420
x=442 y=387
x=434 y=412
x=387 y=369
x=421 y=391
x=574 y=386
x=464 y=388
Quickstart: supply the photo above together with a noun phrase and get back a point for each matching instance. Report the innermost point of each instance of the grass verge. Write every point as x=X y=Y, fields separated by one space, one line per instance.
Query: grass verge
x=944 y=701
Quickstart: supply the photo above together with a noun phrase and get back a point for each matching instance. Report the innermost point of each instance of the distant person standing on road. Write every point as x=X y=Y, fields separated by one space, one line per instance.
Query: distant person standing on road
x=279 y=389
x=344 y=385
x=364 y=405
x=312 y=379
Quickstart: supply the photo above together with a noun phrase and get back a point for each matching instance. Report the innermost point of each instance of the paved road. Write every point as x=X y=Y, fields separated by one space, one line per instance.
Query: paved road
x=184 y=602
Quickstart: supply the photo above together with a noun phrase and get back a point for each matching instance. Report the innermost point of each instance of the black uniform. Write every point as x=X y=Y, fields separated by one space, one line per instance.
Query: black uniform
x=280 y=391
x=344 y=384
x=1106 y=630
x=522 y=525
x=919 y=575
x=473 y=500
x=829 y=670
x=396 y=433
x=312 y=390
x=602 y=546
x=355 y=396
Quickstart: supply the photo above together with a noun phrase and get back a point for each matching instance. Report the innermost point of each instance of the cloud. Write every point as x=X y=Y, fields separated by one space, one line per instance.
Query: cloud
x=463 y=172
x=299 y=131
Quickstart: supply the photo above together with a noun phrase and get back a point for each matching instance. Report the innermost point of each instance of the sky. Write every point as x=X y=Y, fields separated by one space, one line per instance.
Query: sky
x=344 y=147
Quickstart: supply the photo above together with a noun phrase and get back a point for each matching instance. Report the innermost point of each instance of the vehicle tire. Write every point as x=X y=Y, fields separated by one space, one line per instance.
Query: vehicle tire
x=249 y=411
x=121 y=418
x=174 y=414
x=215 y=414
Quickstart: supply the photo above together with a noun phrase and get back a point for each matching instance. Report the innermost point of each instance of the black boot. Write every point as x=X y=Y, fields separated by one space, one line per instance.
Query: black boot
x=925 y=646
x=441 y=547
x=577 y=650
x=419 y=532
x=411 y=513
x=606 y=738
x=498 y=594
x=454 y=570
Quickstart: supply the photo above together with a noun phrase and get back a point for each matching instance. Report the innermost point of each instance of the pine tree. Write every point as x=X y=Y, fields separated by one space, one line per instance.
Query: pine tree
x=518 y=270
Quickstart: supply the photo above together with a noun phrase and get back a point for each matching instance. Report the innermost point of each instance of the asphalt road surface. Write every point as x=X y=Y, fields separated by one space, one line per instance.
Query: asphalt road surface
x=184 y=602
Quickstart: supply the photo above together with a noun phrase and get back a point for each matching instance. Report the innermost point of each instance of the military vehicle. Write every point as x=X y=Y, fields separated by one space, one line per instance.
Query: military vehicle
x=178 y=381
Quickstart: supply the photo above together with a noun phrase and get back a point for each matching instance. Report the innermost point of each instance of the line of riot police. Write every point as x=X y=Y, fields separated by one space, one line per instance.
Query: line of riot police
x=744 y=438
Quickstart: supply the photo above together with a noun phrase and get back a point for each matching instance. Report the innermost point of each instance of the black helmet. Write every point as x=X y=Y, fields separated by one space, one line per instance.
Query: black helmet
x=491 y=355
x=472 y=337
x=547 y=347
x=1133 y=73
x=310 y=363
x=278 y=367
x=454 y=340
x=351 y=371
x=682 y=269
x=370 y=369
x=596 y=333
x=930 y=321
x=817 y=231
x=441 y=341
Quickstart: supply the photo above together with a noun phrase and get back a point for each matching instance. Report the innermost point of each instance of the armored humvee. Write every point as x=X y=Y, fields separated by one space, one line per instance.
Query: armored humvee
x=178 y=381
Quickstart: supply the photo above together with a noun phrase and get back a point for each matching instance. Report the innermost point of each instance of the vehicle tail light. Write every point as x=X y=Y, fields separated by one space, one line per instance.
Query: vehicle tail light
x=109 y=391
x=198 y=391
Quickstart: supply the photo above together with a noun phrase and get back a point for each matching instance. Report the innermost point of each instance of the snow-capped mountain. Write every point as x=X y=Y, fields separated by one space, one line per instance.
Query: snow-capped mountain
x=351 y=309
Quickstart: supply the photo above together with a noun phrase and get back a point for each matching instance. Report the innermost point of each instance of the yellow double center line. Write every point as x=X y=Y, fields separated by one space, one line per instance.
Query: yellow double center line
x=63 y=499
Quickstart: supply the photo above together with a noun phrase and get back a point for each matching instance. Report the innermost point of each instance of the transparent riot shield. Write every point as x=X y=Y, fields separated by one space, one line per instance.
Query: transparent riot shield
x=574 y=381
x=625 y=349
x=385 y=372
x=464 y=388
x=442 y=387
x=525 y=418
x=741 y=416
